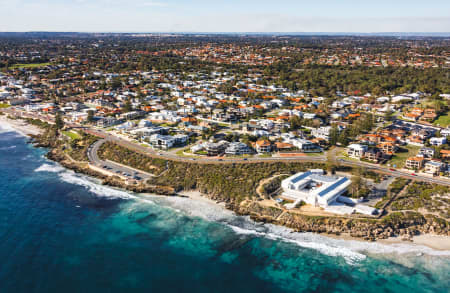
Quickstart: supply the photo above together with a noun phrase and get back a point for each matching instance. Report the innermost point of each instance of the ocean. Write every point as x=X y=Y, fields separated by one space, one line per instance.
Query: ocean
x=65 y=232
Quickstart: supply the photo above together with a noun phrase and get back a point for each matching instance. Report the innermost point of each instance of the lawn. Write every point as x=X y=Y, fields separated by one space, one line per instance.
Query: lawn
x=72 y=134
x=399 y=158
x=314 y=154
x=31 y=65
x=443 y=120
x=4 y=105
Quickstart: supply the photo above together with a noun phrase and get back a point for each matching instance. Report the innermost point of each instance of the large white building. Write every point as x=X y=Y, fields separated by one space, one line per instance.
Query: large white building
x=314 y=188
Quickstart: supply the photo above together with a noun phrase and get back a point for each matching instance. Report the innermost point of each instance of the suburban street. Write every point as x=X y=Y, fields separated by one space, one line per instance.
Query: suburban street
x=213 y=160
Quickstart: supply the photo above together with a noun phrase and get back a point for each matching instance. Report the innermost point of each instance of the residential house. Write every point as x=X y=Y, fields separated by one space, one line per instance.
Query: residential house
x=322 y=132
x=131 y=115
x=373 y=155
x=438 y=141
x=165 y=142
x=415 y=163
x=445 y=154
x=445 y=132
x=283 y=146
x=216 y=149
x=356 y=150
x=415 y=140
x=426 y=152
x=263 y=146
x=238 y=148
x=434 y=167
x=107 y=122
x=429 y=115
x=387 y=147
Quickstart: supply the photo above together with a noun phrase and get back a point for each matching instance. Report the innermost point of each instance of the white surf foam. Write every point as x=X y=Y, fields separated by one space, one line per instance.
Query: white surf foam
x=6 y=128
x=8 y=148
x=52 y=168
x=352 y=250
x=303 y=240
x=94 y=187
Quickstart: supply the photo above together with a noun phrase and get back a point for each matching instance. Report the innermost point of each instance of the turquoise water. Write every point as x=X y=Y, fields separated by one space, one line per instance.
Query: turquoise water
x=63 y=232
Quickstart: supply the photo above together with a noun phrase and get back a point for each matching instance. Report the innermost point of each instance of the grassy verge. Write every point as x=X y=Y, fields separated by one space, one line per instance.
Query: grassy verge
x=72 y=134
x=443 y=120
x=31 y=65
x=400 y=157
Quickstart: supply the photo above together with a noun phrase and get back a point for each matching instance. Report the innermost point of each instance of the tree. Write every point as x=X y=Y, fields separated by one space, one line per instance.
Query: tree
x=295 y=122
x=357 y=186
x=389 y=115
x=90 y=117
x=127 y=107
x=334 y=135
x=343 y=138
x=59 y=123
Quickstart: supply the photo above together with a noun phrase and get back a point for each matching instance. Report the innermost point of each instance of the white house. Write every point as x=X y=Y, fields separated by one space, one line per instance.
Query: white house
x=314 y=188
x=437 y=141
x=356 y=150
x=238 y=148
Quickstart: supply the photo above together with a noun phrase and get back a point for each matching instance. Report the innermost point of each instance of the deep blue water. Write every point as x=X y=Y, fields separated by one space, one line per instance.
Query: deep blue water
x=62 y=232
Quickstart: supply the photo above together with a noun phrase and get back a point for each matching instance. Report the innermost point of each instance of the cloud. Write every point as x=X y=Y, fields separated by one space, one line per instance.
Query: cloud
x=154 y=4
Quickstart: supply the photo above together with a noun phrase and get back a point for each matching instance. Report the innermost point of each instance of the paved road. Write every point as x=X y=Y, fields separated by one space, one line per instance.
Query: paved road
x=169 y=156
x=119 y=169
x=395 y=173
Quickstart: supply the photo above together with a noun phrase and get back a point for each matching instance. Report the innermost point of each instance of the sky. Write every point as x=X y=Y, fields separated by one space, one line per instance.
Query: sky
x=364 y=16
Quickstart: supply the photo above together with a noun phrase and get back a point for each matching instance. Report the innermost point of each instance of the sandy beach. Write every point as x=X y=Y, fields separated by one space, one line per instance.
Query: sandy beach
x=20 y=126
x=436 y=242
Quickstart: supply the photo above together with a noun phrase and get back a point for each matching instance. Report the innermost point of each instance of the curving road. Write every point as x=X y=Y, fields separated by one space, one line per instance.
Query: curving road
x=173 y=157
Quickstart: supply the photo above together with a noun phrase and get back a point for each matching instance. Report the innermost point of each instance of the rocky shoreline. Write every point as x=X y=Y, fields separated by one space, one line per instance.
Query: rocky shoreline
x=405 y=228
x=403 y=225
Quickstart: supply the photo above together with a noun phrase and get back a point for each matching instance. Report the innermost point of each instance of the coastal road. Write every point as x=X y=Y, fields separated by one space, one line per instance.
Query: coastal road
x=318 y=159
x=112 y=167
x=395 y=173
x=173 y=157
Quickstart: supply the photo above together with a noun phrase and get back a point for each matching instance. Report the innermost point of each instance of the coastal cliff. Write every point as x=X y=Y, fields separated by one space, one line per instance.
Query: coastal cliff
x=235 y=185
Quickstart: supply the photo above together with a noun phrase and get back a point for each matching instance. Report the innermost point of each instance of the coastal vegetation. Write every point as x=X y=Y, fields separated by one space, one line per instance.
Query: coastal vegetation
x=425 y=196
x=78 y=146
x=234 y=182
x=394 y=188
x=119 y=154
x=272 y=185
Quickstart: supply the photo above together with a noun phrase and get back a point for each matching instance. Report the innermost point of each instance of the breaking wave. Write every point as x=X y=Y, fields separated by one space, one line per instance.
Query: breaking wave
x=52 y=168
x=8 y=148
x=352 y=251
x=7 y=128
x=91 y=184
x=94 y=187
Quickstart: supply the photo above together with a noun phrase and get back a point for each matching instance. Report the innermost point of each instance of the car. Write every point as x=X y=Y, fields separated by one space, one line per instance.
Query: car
x=245 y=159
x=220 y=159
x=392 y=169
x=413 y=174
